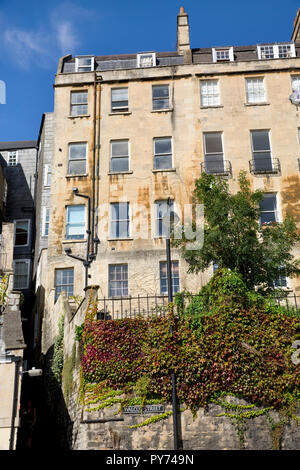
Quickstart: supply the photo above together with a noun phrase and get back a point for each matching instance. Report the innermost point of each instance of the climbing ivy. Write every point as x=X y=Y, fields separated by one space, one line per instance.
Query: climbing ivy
x=228 y=341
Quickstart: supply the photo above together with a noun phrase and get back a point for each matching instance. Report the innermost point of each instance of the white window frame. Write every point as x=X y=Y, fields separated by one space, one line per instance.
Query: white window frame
x=112 y=236
x=262 y=151
x=214 y=94
x=44 y=221
x=155 y=100
x=253 y=93
x=275 y=49
x=56 y=285
x=15 y=231
x=157 y=219
x=160 y=278
x=116 y=281
x=89 y=68
x=276 y=212
x=216 y=50
x=119 y=109
x=47 y=171
x=162 y=154
x=140 y=56
x=26 y=261
x=119 y=156
x=76 y=105
x=16 y=156
x=77 y=159
x=75 y=237
x=218 y=153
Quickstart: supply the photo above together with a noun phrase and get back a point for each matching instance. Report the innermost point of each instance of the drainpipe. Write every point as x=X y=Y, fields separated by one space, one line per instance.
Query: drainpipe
x=98 y=160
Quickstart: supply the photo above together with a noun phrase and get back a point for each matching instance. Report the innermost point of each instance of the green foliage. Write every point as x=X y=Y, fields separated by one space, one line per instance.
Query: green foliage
x=58 y=354
x=234 y=239
x=153 y=419
x=240 y=344
x=3 y=291
x=78 y=332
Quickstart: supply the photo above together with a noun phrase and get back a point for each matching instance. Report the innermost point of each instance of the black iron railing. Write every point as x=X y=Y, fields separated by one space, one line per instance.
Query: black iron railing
x=157 y=305
x=261 y=165
x=217 y=168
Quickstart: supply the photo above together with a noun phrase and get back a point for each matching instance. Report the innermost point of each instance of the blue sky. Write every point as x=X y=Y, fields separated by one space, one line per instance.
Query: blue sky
x=35 y=33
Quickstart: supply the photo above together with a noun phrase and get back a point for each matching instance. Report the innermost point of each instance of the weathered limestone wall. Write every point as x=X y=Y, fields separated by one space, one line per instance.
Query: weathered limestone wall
x=205 y=431
x=110 y=429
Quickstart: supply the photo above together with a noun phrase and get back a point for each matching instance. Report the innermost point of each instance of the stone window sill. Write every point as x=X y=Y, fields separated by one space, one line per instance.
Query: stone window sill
x=257 y=104
x=79 y=116
x=119 y=239
x=112 y=173
x=164 y=169
x=82 y=240
x=213 y=107
x=119 y=112
x=166 y=110
x=75 y=175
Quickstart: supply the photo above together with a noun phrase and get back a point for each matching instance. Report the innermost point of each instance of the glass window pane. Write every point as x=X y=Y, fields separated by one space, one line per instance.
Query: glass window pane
x=79 y=97
x=119 y=94
x=161 y=104
x=120 y=164
x=213 y=142
x=77 y=167
x=162 y=146
x=260 y=140
x=76 y=214
x=161 y=163
x=119 y=148
x=77 y=151
x=160 y=91
x=268 y=203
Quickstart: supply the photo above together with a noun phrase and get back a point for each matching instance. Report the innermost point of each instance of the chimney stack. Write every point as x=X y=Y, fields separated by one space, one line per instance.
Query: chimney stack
x=296 y=29
x=183 y=35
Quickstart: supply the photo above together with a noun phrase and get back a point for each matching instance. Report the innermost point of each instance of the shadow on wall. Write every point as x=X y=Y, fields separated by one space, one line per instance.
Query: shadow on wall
x=53 y=427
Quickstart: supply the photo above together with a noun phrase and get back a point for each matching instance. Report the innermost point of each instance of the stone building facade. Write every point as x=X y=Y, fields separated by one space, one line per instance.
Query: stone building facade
x=131 y=131
x=18 y=160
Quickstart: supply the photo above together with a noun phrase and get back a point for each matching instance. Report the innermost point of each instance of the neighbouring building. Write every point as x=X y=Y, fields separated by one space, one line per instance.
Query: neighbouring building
x=11 y=345
x=130 y=131
x=18 y=160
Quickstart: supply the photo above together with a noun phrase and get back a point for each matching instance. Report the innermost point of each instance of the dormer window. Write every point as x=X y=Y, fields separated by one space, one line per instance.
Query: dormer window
x=84 y=64
x=146 y=60
x=222 y=54
x=276 y=51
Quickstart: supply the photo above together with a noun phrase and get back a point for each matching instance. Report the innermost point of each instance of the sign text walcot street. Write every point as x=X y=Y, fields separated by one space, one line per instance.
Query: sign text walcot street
x=137 y=409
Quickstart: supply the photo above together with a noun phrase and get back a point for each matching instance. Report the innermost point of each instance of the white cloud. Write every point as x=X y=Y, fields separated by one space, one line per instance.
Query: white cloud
x=42 y=46
x=66 y=37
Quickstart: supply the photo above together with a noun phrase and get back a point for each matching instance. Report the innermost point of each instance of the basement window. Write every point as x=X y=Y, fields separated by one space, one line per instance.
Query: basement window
x=146 y=59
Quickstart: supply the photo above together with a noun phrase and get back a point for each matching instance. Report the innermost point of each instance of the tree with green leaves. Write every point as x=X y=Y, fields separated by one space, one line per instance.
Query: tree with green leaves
x=234 y=237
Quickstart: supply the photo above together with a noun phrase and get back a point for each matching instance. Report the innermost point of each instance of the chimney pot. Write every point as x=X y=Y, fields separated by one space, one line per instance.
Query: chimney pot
x=181 y=10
